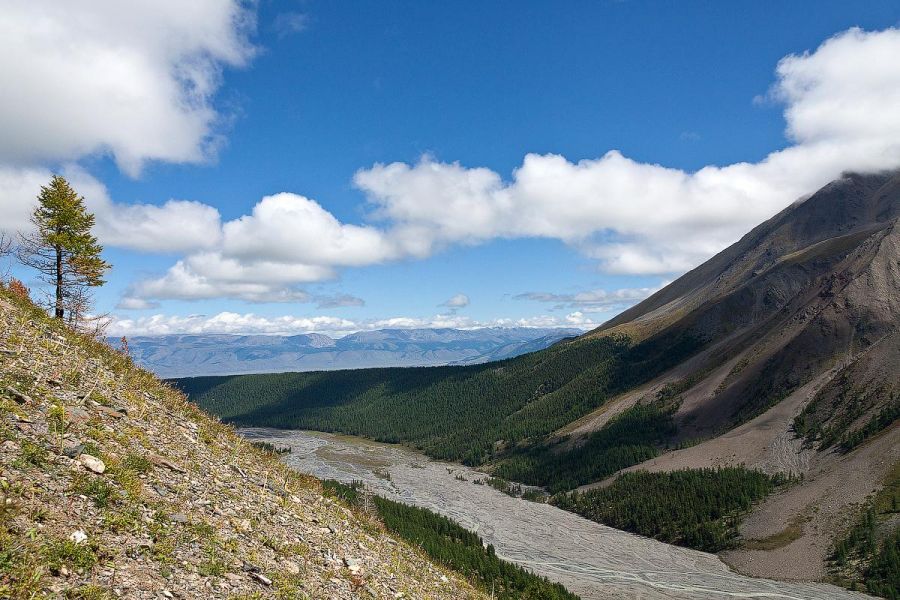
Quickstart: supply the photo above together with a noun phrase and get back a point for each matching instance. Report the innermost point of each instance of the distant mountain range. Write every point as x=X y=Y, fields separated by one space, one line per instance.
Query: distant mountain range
x=190 y=355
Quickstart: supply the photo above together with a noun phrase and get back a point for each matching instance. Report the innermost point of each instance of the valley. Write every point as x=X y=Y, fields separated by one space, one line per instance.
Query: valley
x=779 y=357
x=591 y=560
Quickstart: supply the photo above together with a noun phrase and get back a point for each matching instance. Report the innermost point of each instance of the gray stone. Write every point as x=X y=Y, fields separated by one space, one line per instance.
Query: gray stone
x=17 y=395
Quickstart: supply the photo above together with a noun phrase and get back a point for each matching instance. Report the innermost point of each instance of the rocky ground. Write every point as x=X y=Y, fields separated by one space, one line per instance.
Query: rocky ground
x=112 y=485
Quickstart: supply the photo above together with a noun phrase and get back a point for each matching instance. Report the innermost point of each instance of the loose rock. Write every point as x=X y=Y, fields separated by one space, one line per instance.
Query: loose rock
x=92 y=463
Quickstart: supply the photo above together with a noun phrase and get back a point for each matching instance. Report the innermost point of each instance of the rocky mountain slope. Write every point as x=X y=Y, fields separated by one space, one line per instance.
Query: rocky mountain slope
x=798 y=368
x=190 y=355
x=113 y=485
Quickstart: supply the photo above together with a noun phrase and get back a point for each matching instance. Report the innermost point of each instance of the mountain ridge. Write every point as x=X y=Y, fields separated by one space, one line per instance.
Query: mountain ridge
x=183 y=355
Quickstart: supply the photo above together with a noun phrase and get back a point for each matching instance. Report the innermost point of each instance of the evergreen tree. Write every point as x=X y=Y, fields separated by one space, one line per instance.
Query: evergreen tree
x=63 y=249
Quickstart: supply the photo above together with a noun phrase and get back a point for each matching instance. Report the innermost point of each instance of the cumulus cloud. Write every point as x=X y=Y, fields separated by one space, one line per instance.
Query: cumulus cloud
x=457 y=301
x=175 y=226
x=840 y=108
x=135 y=80
x=287 y=240
x=291 y=228
x=210 y=275
x=249 y=323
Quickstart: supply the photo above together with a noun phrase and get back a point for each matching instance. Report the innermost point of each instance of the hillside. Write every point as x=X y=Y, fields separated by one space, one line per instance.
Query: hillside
x=780 y=354
x=188 y=355
x=114 y=486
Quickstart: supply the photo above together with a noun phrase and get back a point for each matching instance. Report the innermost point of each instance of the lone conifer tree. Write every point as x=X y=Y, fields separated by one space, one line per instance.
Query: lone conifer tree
x=62 y=247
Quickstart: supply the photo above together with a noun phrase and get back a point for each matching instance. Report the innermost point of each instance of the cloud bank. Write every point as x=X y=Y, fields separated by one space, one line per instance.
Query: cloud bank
x=249 y=323
x=593 y=301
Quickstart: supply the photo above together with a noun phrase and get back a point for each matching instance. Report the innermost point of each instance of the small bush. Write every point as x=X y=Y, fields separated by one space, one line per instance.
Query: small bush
x=33 y=454
x=137 y=463
x=99 y=490
x=59 y=553
x=88 y=592
x=18 y=289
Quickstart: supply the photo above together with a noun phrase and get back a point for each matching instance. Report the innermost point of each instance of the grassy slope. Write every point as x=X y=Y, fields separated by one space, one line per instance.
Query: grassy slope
x=182 y=504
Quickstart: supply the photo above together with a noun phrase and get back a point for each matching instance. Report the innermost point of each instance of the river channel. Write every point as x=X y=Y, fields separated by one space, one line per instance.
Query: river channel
x=591 y=560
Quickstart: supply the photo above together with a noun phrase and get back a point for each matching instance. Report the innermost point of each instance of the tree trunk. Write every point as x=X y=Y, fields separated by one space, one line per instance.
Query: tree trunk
x=59 y=284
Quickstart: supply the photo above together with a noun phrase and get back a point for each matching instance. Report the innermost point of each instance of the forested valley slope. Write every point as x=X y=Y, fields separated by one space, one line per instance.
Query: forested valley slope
x=758 y=393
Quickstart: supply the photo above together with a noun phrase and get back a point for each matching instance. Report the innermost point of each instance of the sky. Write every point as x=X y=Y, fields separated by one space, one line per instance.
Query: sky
x=296 y=166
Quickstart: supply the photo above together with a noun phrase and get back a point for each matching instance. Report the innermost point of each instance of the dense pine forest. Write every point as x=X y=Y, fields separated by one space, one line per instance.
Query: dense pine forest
x=471 y=414
x=634 y=436
x=698 y=508
x=454 y=546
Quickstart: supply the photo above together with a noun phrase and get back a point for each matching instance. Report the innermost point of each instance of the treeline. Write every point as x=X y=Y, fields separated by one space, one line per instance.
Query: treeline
x=827 y=426
x=697 y=508
x=881 y=421
x=455 y=547
x=634 y=436
x=868 y=556
x=270 y=448
x=471 y=414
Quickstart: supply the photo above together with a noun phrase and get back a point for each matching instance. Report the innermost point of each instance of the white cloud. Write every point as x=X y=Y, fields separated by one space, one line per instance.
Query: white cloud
x=249 y=323
x=841 y=111
x=457 y=301
x=289 y=23
x=842 y=90
x=227 y=322
x=175 y=226
x=338 y=301
x=18 y=189
x=209 y=275
x=290 y=228
x=136 y=304
x=593 y=300
x=135 y=80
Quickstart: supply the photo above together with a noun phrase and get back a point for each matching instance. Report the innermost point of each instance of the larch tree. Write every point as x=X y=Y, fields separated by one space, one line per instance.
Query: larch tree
x=63 y=250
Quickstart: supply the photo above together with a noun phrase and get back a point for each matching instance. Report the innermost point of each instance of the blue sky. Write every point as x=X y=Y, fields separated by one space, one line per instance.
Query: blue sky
x=315 y=92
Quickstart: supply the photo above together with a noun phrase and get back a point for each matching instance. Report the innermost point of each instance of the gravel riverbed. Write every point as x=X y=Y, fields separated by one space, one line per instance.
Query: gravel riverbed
x=592 y=560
